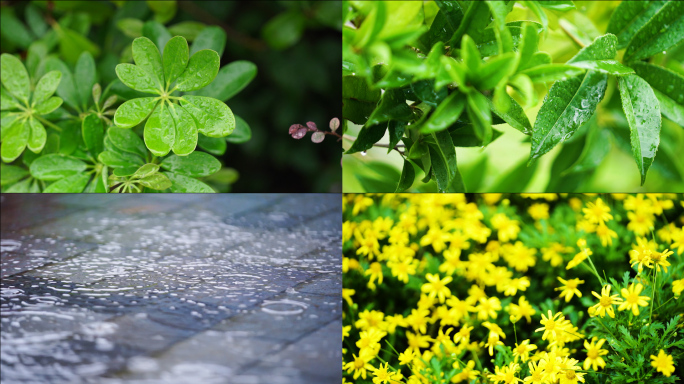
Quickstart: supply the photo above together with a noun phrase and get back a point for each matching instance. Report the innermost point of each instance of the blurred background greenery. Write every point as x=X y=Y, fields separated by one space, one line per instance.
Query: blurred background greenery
x=296 y=46
x=501 y=166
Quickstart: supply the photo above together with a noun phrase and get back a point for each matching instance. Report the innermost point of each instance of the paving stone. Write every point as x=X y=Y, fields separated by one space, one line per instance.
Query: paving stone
x=170 y=289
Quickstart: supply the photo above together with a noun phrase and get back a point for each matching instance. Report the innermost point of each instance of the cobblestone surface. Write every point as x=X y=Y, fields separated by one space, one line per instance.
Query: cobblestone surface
x=240 y=289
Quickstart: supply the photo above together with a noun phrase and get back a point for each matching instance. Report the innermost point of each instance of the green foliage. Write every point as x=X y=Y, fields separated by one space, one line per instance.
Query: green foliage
x=446 y=65
x=116 y=137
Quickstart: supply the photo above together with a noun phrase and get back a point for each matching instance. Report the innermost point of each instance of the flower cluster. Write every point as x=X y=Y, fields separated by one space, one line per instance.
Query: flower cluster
x=496 y=288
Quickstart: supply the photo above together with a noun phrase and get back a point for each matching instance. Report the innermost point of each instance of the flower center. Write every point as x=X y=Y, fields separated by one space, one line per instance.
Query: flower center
x=606 y=301
x=592 y=354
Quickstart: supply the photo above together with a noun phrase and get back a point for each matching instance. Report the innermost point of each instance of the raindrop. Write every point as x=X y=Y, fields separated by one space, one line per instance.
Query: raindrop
x=8 y=245
x=364 y=153
x=295 y=307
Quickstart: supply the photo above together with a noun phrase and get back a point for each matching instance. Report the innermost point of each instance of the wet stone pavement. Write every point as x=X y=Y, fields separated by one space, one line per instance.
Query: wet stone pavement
x=239 y=289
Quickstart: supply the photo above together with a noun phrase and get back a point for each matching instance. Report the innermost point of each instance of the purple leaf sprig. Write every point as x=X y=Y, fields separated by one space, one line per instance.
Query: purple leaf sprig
x=298 y=131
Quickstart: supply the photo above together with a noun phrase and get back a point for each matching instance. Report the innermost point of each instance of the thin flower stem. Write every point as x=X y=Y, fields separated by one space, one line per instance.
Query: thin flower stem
x=595 y=270
x=653 y=289
x=515 y=333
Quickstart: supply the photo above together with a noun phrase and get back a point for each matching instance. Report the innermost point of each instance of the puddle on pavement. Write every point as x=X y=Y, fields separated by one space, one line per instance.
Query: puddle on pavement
x=105 y=301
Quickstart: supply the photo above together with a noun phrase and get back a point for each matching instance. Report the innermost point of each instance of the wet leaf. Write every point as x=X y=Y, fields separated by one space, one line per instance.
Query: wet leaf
x=159 y=138
x=609 y=67
x=37 y=135
x=66 y=89
x=466 y=137
x=480 y=116
x=368 y=136
x=146 y=170
x=445 y=114
x=70 y=184
x=201 y=70
x=54 y=167
x=643 y=116
x=552 y=72
x=137 y=78
x=358 y=100
x=560 y=5
x=515 y=116
x=595 y=149
x=133 y=112
x=14 y=139
x=10 y=174
x=126 y=140
x=157 y=181
x=213 y=145
x=629 y=17
x=242 y=132
x=498 y=10
x=494 y=70
x=186 y=131
x=188 y=29
x=213 y=117
x=212 y=37
x=14 y=77
x=425 y=91
x=69 y=138
x=408 y=176
x=528 y=46
x=197 y=164
x=185 y=184
x=231 y=79
x=446 y=152
x=7 y=101
x=121 y=159
x=147 y=57
x=46 y=87
x=176 y=56
x=668 y=87
x=86 y=73
x=664 y=30
x=156 y=32
x=93 y=134
x=477 y=17
x=392 y=106
x=48 y=105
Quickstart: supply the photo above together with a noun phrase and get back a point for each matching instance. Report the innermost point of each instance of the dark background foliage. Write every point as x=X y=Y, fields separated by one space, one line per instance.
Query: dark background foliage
x=296 y=46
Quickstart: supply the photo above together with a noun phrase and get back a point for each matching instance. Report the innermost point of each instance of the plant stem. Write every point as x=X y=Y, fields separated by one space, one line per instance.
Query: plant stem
x=51 y=125
x=653 y=289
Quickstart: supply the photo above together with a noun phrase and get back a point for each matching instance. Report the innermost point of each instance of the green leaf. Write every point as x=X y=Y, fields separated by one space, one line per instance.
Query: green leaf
x=439 y=168
x=67 y=89
x=466 y=137
x=14 y=30
x=477 y=18
x=196 y=164
x=70 y=184
x=47 y=85
x=158 y=181
x=93 y=134
x=54 y=167
x=425 y=91
x=7 y=101
x=372 y=25
x=528 y=46
x=69 y=138
x=499 y=11
x=664 y=30
x=14 y=139
x=515 y=116
x=571 y=103
x=185 y=184
x=72 y=44
x=126 y=140
x=130 y=27
x=125 y=172
x=213 y=37
x=392 y=106
x=188 y=29
x=242 y=132
x=446 y=113
x=358 y=100
x=595 y=150
x=230 y=80
x=147 y=57
x=539 y=12
x=629 y=17
x=408 y=176
x=201 y=70
x=86 y=73
x=176 y=58
x=48 y=105
x=480 y=116
x=470 y=55
x=133 y=112
x=156 y=32
x=552 y=72
x=515 y=180
x=368 y=136
x=561 y=5
x=14 y=77
x=609 y=67
x=164 y=10
x=137 y=78
x=213 y=145
x=10 y=174
x=159 y=138
x=668 y=87
x=184 y=125
x=447 y=153
x=643 y=116
x=120 y=159
x=146 y=170
x=213 y=117
x=396 y=132
x=37 y=136
x=494 y=70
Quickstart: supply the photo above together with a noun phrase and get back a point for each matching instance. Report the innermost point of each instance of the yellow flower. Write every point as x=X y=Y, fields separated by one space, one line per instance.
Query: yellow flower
x=505 y=375
x=437 y=287
x=579 y=258
x=551 y=325
x=507 y=229
x=678 y=241
x=345 y=330
x=463 y=335
x=368 y=244
x=467 y=373
x=407 y=357
x=677 y=287
x=402 y=269
x=539 y=211
x=383 y=376
x=632 y=299
x=605 y=304
x=417 y=341
x=512 y=286
x=361 y=204
x=640 y=223
x=594 y=353
x=436 y=238
x=537 y=374
x=369 y=319
x=660 y=259
x=605 y=234
x=597 y=212
x=375 y=272
x=569 y=288
x=522 y=350
x=347 y=294
x=519 y=256
x=520 y=310
x=487 y=308
x=359 y=366
x=663 y=363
